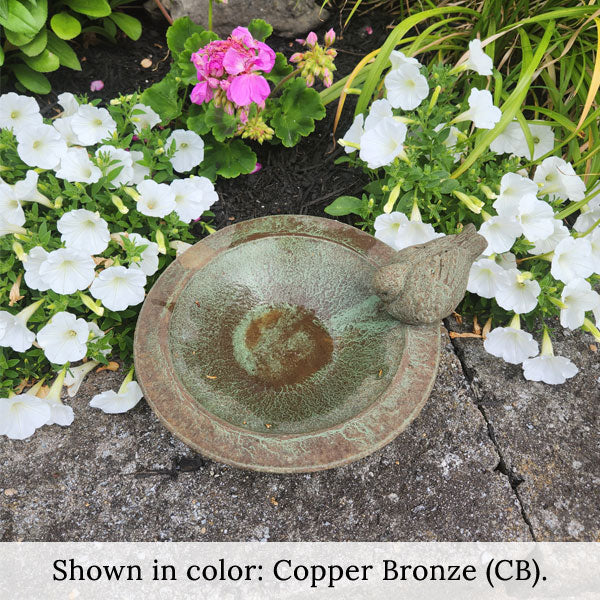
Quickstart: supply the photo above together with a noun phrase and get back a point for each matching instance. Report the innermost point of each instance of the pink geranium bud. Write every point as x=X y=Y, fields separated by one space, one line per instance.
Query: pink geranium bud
x=327 y=77
x=311 y=39
x=97 y=85
x=369 y=30
x=135 y=138
x=300 y=41
x=310 y=80
x=297 y=57
x=329 y=38
x=256 y=169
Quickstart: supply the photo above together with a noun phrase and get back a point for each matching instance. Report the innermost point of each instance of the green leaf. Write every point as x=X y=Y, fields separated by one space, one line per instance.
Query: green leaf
x=299 y=107
x=280 y=69
x=18 y=39
x=66 y=54
x=222 y=124
x=344 y=205
x=181 y=30
x=65 y=26
x=91 y=8
x=43 y=62
x=260 y=29
x=163 y=97
x=25 y=17
x=33 y=81
x=3 y=9
x=1 y=56
x=228 y=160
x=130 y=26
x=197 y=120
x=37 y=44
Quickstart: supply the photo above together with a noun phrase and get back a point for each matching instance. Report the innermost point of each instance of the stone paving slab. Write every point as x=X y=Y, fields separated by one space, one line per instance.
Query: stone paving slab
x=436 y=481
x=546 y=435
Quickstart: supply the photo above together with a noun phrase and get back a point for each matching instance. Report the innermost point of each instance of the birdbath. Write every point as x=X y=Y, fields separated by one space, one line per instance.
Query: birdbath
x=294 y=343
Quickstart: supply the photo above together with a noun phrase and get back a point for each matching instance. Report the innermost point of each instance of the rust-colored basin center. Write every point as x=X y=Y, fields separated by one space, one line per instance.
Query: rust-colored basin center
x=282 y=345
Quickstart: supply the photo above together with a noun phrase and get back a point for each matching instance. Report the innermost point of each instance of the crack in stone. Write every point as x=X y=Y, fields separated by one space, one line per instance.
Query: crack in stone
x=514 y=479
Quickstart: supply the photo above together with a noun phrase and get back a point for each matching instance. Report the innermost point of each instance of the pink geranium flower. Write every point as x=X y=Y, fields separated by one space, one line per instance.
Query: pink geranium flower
x=248 y=88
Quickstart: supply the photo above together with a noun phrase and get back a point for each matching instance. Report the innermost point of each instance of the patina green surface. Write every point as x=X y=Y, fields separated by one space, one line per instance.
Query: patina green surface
x=265 y=346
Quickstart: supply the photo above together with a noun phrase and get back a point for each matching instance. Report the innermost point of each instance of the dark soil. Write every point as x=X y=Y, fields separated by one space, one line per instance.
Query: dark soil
x=299 y=180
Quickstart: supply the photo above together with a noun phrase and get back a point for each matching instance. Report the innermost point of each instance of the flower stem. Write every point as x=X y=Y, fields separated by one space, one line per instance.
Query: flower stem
x=210 y=15
x=56 y=388
x=591 y=328
x=284 y=81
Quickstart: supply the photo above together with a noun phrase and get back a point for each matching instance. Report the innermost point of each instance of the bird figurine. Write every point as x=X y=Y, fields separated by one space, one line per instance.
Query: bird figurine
x=426 y=282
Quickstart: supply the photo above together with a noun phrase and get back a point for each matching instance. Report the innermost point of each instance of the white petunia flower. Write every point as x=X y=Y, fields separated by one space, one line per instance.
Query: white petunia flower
x=536 y=218
x=189 y=150
x=549 y=244
x=587 y=219
x=13 y=328
x=388 y=225
x=406 y=87
x=126 y=398
x=118 y=287
x=512 y=188
x=19 y=112
x=84 y=230
x=415 y=232
x=143 y=116
x=354 y=134
x=594 y=239
x=547 y=367
x=67 y=270
x=75 y=165
x=380 y=109
x=517 y=293
x=382 y=144
x=543 y=141
x=117 y=159
x=64 y=338
x=92 y=125
x=558 y=178
x=10 y=206
x=149 y=257
x=68 y=103
x=478 y=60
x=156 y=199
x=112 y=402
x=572 y=259
x=500 y=233
x=577 y=297
x=481 y=110
x=510 y=140
x=511 y=343
x=398 y=59
x=21 y=415
x=64 y=126
x=485 y=278
x=35 y=257
x=140 y=172
x=40 y=146
x=193 y=196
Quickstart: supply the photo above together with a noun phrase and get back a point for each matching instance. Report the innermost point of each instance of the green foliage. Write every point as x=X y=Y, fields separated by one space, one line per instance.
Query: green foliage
x=295 y=114
x=37 y=32
x=290 y=111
